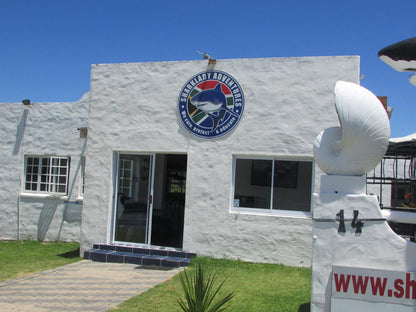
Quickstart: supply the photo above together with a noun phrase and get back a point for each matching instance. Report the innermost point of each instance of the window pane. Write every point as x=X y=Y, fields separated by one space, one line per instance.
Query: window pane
x=45 y=169
x=47 y=174
x=29 y=161
x=285 y=173
x=253 y=183
x=44 y=178
x=31 y=174
x=292 y=185
x=62 y=189
x=54 y=170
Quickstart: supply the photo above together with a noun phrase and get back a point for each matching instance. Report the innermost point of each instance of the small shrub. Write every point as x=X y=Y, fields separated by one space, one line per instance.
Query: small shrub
x=200 y=292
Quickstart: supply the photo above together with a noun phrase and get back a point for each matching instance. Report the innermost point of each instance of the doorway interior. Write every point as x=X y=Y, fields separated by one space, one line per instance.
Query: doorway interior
x=149 y=201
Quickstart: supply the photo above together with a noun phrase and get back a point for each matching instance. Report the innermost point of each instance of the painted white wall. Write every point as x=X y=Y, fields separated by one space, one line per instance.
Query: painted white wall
x=288 y=101
x=377 y=247
x=40 y=129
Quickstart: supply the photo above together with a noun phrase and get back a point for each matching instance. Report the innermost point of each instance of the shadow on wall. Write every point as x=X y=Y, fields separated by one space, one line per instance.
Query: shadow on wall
x=70 y=214
x=20 y=132
x=46 y=217
x=50 y=219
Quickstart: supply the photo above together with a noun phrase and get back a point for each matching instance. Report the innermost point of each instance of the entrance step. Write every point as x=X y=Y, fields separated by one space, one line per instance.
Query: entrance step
x=139 y=256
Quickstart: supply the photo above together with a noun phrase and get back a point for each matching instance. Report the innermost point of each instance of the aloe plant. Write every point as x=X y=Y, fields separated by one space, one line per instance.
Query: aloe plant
x=200 y=291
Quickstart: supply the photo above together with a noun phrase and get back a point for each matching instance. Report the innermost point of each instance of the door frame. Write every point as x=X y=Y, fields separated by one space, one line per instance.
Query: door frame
x=114 y=201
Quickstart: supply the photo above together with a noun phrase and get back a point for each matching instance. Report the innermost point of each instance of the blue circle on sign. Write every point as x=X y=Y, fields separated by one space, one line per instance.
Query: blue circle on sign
x=211 y=104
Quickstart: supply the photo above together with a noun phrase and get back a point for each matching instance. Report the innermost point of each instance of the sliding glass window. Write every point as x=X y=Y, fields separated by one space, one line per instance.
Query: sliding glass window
x=273 y=184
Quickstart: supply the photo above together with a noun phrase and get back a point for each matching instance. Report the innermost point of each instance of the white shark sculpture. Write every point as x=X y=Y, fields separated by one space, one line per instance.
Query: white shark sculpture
x=360 y=143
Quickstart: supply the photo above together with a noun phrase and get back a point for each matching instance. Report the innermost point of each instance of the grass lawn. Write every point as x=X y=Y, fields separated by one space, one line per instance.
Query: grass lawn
x=19 y=258
x=257 y=287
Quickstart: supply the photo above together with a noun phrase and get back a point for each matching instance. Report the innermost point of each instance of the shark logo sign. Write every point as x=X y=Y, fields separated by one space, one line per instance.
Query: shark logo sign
x=211 y=104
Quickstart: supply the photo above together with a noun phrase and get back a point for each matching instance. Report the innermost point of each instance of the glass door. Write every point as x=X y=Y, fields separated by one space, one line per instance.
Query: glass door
x=169 y=200
x=149 y=199
x=133 y=200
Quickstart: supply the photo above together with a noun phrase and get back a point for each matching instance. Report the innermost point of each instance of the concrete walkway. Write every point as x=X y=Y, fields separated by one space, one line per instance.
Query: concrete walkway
x=80 y=286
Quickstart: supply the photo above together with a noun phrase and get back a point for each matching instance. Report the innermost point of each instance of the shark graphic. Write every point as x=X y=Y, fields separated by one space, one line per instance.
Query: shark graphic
x=213 y=103
x=401 y=56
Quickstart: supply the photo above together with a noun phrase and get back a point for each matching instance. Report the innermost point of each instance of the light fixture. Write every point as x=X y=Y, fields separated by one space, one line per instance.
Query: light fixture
x=26 y=102
x=83 y=132
x=208 y=57
x=205 y=55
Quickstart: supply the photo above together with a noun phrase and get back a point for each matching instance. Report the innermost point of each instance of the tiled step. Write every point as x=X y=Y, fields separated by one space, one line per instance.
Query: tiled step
x=139 y=256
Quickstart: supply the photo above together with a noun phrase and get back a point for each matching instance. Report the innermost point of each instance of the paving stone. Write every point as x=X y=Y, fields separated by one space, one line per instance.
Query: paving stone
x=81 y=286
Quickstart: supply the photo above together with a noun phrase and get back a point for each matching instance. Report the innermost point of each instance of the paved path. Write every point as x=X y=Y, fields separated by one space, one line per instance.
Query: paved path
x=80 y=286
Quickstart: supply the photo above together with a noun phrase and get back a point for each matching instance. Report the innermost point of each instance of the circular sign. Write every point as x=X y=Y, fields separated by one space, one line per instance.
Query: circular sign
x=211 y=104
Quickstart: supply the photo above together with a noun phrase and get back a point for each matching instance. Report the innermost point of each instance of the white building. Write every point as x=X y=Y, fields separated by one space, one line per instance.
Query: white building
x=41 y=167
x=213 y=158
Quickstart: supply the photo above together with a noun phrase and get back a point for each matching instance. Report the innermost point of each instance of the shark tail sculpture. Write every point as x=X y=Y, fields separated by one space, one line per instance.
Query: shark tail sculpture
x=358 y=145
x=401 y=56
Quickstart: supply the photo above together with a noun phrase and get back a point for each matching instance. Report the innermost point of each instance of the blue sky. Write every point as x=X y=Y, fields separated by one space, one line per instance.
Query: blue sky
x=48 y=46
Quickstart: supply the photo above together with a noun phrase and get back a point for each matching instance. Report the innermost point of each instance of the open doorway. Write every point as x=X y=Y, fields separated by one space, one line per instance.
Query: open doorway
x=150 y=202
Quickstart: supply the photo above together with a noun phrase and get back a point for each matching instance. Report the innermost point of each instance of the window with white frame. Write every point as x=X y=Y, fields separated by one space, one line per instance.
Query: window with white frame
x=272 y=184
x=126 y=177
x=46 y=174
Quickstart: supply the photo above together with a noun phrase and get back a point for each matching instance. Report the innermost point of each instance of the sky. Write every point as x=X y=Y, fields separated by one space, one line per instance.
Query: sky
x=47 y=47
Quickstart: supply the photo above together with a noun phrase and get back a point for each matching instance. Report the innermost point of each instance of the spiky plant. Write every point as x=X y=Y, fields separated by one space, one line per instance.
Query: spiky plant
x=200 y=291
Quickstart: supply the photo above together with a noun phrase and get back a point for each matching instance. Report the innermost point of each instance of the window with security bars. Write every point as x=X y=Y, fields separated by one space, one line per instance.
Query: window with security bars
x=47 y=174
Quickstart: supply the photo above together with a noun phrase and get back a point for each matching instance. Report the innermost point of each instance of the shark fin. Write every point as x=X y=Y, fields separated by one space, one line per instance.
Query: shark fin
x=216 y=119
x=218 y=87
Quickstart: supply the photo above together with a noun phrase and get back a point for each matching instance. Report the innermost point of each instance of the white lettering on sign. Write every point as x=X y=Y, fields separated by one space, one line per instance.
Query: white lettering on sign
x=210 y=104
x=374 y=285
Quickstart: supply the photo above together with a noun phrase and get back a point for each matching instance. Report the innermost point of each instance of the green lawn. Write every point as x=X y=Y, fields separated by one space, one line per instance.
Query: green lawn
x=19 y=258
x=257 y=287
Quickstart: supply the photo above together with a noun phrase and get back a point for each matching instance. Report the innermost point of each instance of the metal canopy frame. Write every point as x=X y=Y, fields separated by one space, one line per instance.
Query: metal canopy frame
x=397 y=171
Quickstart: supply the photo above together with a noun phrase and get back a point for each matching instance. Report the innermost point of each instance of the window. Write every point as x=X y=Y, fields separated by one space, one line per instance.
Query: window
x=273 y=184
x=47 y=175
x=126 y=177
